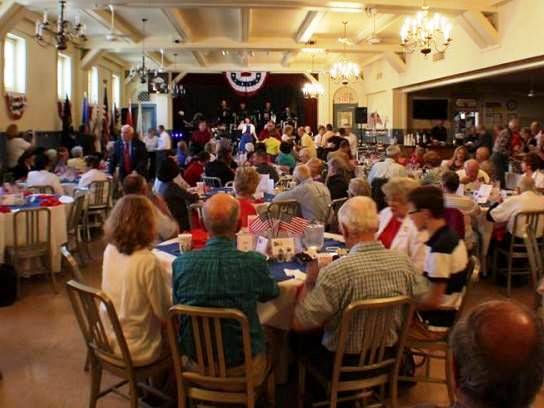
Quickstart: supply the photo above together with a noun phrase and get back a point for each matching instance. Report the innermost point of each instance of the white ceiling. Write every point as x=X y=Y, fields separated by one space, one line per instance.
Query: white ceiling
x=275 y=30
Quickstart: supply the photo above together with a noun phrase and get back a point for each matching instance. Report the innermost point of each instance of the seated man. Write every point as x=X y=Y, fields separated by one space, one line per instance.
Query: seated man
x=316 y=168
x=263 y=167
x=445 y=263
x=221 y=276
x=93 y=173
x=468 y=206
x=471 y=175
x=498 y=350
x=369 y=271
x=167 y=227
x=77 y=162
x=41 y=176
x=314 y=197
x=389 y=167
x=527 y=200
x=222 y=167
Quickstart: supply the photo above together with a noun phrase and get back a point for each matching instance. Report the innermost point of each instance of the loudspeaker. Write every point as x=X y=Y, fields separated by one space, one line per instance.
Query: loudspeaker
x=361 y=115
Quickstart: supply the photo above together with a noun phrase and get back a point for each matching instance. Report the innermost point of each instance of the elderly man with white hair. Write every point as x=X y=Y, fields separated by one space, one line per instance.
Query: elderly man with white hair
x=77 y=162
x=389 y=167
x=129 y=154
x=369 y=271
x=471 y=175
x=314 y=197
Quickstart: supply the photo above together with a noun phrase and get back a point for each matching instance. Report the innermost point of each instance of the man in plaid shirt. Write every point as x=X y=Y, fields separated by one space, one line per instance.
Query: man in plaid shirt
x=369 y=271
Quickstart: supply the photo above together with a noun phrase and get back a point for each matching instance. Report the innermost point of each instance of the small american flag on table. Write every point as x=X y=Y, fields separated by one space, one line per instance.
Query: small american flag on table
x=293 y=224
x=260 y=225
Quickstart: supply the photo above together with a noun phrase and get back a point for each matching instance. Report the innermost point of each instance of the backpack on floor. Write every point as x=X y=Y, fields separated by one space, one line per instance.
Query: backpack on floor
x=8 y=285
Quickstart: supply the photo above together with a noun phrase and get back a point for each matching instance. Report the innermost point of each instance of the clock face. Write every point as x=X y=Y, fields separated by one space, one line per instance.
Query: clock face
x=511 y=105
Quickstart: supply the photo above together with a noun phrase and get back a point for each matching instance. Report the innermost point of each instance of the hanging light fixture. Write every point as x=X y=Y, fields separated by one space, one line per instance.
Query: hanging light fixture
x=64 y=32
x=176 y=89
x=312 y=89
x=142 y=71
x=345 y=70
x=424 y=33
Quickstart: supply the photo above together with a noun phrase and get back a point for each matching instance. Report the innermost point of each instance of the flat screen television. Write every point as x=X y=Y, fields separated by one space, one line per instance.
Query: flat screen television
x=430 y=109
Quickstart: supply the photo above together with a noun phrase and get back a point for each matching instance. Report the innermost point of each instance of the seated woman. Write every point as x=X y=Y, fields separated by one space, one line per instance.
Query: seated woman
x=396 y=229
x=77 y=163
x=61 y=167
x=531 y=167
x=41 y=176
x=177 y=198
x=133 y=280
x=246 y=181
x=181 y=154
x=432 y=168
x=337 y=181
x=460 y=156
x=92 y=173
x=359 y=187
x=24 y=165
x=417 y=159
x=286 y=157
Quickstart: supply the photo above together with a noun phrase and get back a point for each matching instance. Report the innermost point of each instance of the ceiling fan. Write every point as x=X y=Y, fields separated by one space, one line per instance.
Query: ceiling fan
x=345 y=40
x=373 y=39
x=112 y=35
x=532 y=93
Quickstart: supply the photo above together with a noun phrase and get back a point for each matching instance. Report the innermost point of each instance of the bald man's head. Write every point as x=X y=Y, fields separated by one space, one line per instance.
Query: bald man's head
x=301 y=173
x=221 y=213
x=472 y=167
x=127 y=133
x=499 y=355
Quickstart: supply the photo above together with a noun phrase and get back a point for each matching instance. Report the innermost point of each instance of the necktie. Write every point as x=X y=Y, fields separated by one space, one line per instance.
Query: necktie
x=127 y=161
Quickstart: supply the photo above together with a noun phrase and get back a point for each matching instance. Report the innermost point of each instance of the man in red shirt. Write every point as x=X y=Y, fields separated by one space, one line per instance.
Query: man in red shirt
x=201 y=136
x=265 y=133
x=195 y=169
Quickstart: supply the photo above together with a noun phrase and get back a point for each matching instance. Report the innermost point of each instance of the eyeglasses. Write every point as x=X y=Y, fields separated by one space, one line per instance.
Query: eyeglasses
x=413 y=212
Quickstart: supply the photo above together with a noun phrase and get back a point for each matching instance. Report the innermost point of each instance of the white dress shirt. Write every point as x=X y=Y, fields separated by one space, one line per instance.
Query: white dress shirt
x=136 y=285
x=482 y=177
x=408 y=239
x=164 y=142
x=470 y=210
x=386 y=169
x=44 y=178
x=90 y=176
x=14 y=149
x=526 y=201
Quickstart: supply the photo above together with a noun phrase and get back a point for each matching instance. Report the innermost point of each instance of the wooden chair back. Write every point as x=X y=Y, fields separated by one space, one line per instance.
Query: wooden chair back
x=99 y=196
x=332 y=215
x=379 y=317
x=211 y=367
x=75 y=217
x=74 y=266
x=32 y=230
x=278 y=208
x=525 y=221
x=213 y=182
x=41 y=189
x=88 y=303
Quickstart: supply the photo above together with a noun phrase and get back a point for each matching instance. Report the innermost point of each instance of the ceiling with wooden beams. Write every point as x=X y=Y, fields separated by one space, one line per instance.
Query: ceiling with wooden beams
x=218 y=35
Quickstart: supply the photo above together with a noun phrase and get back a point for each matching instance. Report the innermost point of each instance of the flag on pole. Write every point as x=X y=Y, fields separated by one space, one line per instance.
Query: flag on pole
x=129 y=120
x=114 y=120
x=260 y=225
x=85 y=110
x=140 y=121
x=105 y=118
x=66 y=117
x=292 y=224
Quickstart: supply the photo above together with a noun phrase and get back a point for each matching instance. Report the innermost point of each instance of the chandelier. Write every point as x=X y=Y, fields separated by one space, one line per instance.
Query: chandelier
x=142 y=71
x=65 y=30
x=345 y=70
x=425 y=33
x=312 y=89
x=176 y=90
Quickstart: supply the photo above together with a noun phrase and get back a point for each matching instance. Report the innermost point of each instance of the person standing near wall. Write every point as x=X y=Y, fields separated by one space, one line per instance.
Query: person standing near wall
x=164 y=146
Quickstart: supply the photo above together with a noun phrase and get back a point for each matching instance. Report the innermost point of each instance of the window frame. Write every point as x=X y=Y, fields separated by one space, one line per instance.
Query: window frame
x=64 y=80
x=92 y=87
x=116 y=90
x=18 y=58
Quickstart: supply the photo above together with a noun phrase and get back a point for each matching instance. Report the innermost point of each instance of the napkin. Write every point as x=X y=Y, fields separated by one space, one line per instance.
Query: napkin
x=4 y=209
x=49 y=201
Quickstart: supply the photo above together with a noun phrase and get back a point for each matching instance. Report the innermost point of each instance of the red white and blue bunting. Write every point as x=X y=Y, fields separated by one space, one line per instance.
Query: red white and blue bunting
x=16 y=104
x=246 y=83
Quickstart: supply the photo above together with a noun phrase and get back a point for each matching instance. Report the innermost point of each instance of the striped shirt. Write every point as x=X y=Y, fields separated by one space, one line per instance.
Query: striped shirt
x=369 y=271
x=446 y=262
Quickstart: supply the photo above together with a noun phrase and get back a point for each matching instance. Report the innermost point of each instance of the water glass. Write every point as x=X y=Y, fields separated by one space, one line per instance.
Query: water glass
x=313 y=236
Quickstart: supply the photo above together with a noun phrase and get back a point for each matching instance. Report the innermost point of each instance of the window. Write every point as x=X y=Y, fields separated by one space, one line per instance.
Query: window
x=116 y=90
x=14 y=64
x=93 y=85
x=64 y=76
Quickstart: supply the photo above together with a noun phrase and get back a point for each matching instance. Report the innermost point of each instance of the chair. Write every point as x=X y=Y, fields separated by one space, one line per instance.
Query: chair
x=69 y=258
x=283 y=182
x=41 y=189
x=31 y=239
x=88 y=303
x=439 y=349
x=380 y=317
x=456 y=221
x=523 y=222
x=98 y=205
x=278 y=208
x=229 y=184
x=195 y=208
x=332 y=215
x=213 y=182
x=76 y=219
x=210 y=382
x=535 y=263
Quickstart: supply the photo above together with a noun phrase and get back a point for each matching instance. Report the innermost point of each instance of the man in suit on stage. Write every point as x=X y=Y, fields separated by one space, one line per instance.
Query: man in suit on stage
x=129 y=154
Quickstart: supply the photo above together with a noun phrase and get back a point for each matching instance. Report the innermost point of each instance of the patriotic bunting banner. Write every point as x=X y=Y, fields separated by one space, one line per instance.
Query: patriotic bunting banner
x=246 y=83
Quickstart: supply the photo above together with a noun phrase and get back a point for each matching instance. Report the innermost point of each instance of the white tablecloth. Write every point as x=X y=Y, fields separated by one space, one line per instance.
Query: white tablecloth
x=276 y=313
x=59 y=236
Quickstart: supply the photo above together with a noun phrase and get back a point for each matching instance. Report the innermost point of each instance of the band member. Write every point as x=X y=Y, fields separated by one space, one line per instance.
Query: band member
x=225 y=113
x=243 y=112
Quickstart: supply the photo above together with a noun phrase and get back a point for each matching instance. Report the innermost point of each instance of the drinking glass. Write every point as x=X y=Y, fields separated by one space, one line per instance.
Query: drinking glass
x=313 y=236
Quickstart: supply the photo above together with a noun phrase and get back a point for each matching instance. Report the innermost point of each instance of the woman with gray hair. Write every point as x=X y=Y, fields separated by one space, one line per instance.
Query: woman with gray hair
x=359 y=187
x=246 y=181
x=396 y=229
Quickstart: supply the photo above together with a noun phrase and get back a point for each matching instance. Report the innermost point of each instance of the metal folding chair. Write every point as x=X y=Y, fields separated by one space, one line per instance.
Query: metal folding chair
x=41 y=189
x=212 y=182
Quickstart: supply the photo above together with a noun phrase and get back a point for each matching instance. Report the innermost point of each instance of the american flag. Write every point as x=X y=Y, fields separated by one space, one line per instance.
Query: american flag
x=105 y=118
x=260 y=225
x=292 y=224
